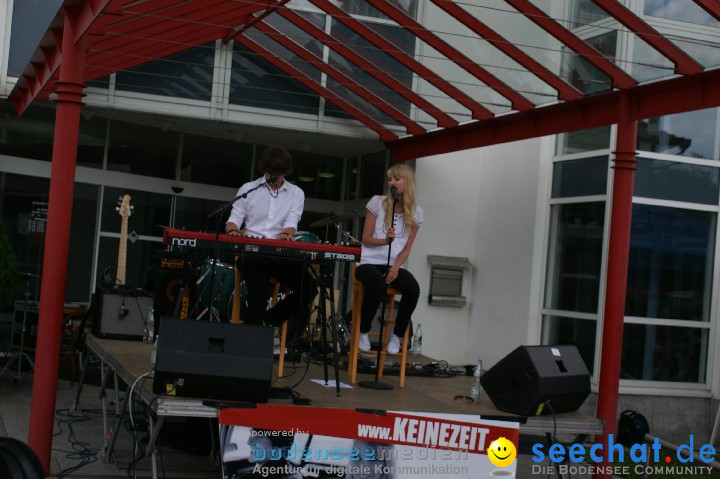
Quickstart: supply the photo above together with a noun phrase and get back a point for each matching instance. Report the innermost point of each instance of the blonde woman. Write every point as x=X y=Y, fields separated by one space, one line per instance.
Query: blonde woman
x=392 y=221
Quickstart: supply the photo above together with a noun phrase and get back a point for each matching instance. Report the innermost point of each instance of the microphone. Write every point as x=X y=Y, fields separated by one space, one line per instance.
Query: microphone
x=123 y=312
x=272 y=180
x=394 y=193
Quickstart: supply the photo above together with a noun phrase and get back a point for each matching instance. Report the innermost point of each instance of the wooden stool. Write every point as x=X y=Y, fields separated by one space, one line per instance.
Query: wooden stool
x=358 y=291
x=236 y=319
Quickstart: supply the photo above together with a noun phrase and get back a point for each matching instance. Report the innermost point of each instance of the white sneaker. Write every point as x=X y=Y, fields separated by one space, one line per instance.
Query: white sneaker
x=393 y=346
x=364 y=343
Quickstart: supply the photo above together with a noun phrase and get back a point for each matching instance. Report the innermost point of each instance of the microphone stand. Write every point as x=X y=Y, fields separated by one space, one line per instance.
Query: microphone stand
x=376 y=384
x=218 y=213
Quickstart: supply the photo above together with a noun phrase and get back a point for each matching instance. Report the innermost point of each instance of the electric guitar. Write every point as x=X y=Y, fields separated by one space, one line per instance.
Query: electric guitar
x=124 y=210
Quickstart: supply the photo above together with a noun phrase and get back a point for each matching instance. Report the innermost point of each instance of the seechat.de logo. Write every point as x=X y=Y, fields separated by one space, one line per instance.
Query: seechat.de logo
x=643 y=458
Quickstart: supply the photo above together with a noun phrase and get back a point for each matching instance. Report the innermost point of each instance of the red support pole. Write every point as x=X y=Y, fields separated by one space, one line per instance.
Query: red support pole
x=624 y=165
x=52 y=293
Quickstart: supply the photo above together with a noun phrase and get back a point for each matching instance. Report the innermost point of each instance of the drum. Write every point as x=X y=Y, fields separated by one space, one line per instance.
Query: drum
x=223 y=287
x=306 y=237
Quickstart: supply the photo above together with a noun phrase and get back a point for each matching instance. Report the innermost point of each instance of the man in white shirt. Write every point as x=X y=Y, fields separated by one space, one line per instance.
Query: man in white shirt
x=272 y=211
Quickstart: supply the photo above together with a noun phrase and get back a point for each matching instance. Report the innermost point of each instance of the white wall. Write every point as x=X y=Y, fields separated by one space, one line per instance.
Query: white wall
x=479 y=204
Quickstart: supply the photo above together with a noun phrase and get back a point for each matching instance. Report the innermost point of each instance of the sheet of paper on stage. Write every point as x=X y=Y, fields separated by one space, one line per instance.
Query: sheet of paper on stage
x=331 y=383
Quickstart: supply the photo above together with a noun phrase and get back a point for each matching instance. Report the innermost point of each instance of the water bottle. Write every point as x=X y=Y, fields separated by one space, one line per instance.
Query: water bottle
x=417 y=341
x=149 y=331
x=153 y=353
x=476 y=387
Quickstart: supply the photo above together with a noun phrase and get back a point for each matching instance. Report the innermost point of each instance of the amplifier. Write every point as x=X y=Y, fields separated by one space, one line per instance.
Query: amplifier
x=206 y=359
x=122 y=313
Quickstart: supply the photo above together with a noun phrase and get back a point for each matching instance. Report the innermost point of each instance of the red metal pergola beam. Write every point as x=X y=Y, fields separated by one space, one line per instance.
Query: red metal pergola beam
x=39 y=72
x=87 y=14
x=150 y=33
x=517 y=101
x=676 y=95
x=710 y=6
x=478 y=111
x=444 y=120
x=185 y=37
x=312 y=84
x=620 y=79
x=684 y=64
x=565 y=91
x=375 y=101
x=240 y=30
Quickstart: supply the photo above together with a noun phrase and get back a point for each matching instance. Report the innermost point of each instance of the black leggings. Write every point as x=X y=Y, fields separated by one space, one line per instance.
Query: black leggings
x=372 y=276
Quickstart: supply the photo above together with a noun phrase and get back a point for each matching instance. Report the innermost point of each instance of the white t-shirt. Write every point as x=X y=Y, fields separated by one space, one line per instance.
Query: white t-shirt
x=267 y=212
x=379 y=254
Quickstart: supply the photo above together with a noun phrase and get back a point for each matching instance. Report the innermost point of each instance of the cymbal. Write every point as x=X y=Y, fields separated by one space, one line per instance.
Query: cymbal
x=28 y=275
x=162 y=226
x=331 y=220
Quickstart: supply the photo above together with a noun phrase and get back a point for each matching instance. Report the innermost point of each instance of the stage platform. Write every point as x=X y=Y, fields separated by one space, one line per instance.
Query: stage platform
x=130 y=361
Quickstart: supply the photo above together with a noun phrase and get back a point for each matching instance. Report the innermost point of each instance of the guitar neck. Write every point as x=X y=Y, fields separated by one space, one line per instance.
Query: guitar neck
x=122 y=252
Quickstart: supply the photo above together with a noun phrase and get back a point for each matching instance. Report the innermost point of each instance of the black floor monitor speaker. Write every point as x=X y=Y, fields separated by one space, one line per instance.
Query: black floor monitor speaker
x=122 y=313
x=524 y=380
x=207 y=359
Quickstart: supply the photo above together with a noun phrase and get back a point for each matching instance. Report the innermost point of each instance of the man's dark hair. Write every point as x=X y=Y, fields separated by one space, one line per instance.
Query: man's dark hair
x=275 y=160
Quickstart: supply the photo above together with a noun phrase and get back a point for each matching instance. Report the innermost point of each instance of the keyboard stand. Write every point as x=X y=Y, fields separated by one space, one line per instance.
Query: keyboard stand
x=324 y=280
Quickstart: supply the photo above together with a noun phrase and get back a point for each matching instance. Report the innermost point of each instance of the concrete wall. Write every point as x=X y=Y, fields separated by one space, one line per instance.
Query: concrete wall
x=480 y=204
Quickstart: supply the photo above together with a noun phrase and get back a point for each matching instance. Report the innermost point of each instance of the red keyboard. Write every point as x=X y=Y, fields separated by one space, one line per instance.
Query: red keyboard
x=175 y=240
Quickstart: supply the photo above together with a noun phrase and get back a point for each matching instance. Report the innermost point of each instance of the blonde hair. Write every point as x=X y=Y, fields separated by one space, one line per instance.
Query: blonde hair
x=408 y=199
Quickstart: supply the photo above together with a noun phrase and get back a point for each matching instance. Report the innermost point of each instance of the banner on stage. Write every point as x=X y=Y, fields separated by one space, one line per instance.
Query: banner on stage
x=291 y=442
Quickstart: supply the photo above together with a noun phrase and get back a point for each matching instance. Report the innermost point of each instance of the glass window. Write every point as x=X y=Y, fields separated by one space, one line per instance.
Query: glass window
x=558 y=330
x=583 y=140
x=664 y=353
x=319 y=176
x=358 y=7
x=32 y=135
x=151 y=211
x=691 y=134
x=215 y=161
x=681 y=10
x=24 y=212
x=584 y=177
x=142 y=149
x=192 y=214
x=401 y=38
x=351 y=179
x=671 y=259
x=185 y=74
x=653 y=65
x=373 y=175
x=574 y=257
x=670 y=180
x=25 y=202
x=91 y=142
x=582 y=74
x=103 y=82
x=82 y=242
x=583 y=12
x=257 y=83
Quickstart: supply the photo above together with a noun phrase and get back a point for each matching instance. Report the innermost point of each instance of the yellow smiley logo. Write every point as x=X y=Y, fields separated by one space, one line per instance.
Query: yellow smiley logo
x=502 y=452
